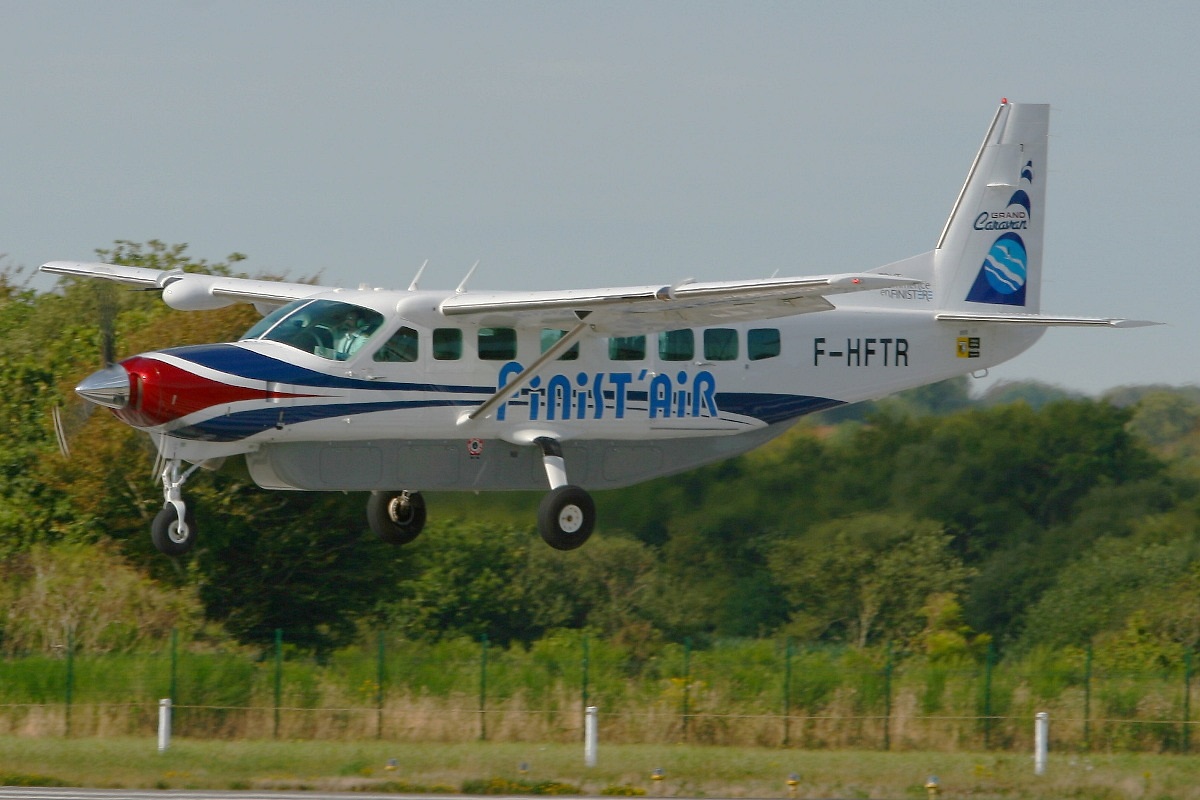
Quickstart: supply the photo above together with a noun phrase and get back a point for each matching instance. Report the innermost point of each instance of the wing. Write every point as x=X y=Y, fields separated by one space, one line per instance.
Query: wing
x=642 y=309
x=189 y=291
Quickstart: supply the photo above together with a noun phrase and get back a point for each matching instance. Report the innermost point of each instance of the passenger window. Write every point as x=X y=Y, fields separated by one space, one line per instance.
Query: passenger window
x=400 y=347
x=447 y=344
x=627 y=348
x=552 y=335
x=677 y=345
x=497 y=344
x=720 y=344
x=762 y=343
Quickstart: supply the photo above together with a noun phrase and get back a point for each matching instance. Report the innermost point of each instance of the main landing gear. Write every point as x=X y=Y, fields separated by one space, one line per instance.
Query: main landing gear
x=173 y=530
x=396 y=517
x=566 y=515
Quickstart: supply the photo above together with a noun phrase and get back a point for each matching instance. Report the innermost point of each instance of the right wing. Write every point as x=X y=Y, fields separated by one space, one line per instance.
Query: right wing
x=191 y=291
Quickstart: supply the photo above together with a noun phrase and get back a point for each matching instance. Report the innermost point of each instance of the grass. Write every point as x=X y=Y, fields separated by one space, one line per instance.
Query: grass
x=690 y=771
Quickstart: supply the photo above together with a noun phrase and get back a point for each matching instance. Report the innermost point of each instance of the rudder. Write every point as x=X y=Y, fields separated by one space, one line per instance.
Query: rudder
x=989 y=256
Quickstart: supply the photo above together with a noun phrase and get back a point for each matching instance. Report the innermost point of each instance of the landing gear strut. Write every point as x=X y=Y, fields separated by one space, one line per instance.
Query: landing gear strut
x=173 y=531
x=396 y=517
x=567 y=514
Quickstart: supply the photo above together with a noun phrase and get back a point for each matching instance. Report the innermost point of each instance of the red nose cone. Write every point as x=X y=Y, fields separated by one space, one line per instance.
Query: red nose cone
x=162 y=392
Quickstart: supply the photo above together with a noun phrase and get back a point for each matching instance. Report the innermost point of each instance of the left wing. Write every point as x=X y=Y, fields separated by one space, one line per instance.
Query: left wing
x=642 y=309
x=190 y=291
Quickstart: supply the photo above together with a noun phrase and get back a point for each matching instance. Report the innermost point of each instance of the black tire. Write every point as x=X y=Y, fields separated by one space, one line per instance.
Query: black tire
x=566 y=517
x=396 y=517
x=166 y=534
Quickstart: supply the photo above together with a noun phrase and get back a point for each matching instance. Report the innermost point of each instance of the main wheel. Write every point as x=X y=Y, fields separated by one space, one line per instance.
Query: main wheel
x=566 y=517
x=169 y=537
x=396 y=517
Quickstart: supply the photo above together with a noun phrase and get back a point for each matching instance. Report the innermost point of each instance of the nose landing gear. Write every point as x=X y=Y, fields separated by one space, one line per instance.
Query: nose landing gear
x=173 y=530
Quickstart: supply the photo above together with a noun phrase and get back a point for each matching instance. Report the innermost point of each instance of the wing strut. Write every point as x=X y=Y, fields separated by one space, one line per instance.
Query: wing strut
x=516 y=384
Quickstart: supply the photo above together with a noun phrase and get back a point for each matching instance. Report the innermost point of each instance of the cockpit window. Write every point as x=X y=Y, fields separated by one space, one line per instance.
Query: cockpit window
x=326 y=328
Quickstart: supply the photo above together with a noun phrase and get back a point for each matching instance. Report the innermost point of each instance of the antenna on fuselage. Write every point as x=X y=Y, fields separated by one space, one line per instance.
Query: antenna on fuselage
x=462 y=287
x=412 y=287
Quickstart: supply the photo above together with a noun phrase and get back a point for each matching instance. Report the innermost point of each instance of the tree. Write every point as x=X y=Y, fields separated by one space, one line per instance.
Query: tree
x=295 y=561
x=865 y=579
x=88 y=595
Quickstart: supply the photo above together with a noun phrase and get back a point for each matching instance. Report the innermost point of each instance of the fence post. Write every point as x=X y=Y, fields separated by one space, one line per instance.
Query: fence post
x=887 y=700
x=1041 y=742
x=483 y=648
x=164 y=724
x=70 y=677
x=380 y=675
x=1087 y=701
x=687 y=683
x=278 y=677
x=589 y=736
x=1187 y=700
x=988 y=664
x=787 y=690
x=585 y=665
x=174 y=664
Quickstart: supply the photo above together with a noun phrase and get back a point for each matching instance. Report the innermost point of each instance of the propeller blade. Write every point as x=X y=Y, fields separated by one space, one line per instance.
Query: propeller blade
x=59 y=432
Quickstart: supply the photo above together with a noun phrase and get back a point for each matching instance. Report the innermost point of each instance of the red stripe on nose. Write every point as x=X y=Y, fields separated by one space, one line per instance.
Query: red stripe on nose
x=163 y=392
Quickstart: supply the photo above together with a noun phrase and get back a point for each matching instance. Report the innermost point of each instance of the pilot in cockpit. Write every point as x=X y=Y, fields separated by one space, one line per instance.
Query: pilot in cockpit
x=352 y=333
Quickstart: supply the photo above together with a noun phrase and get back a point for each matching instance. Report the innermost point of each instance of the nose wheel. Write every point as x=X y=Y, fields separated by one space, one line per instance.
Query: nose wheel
x=171 y=535
x=173 y=530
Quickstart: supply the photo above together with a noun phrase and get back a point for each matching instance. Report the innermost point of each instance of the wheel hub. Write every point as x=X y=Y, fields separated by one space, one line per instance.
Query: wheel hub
x=400 y=509
x=177 y=532
x=570 y=519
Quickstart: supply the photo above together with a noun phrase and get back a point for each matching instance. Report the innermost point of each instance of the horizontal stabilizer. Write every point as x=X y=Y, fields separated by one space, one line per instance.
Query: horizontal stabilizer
x=1044 y=320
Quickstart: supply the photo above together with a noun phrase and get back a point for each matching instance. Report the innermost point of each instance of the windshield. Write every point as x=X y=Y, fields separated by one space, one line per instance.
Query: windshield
x=326 y=328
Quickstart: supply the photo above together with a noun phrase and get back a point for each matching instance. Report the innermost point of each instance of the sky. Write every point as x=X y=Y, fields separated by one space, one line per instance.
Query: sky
x=591 y=144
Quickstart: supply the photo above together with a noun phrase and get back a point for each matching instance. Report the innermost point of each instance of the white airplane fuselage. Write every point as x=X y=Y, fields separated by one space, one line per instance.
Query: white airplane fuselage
x=309 y=421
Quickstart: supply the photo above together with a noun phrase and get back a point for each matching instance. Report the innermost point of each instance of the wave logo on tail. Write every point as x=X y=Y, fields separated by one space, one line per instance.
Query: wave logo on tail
x=1001 y=278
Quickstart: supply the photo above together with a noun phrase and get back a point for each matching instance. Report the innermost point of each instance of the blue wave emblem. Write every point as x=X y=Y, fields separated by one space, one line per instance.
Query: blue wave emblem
x=1020 y=198
x=1027 y=172
x=1001 y=279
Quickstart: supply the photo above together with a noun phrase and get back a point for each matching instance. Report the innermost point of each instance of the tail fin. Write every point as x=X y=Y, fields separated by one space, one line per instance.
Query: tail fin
x=989 y=256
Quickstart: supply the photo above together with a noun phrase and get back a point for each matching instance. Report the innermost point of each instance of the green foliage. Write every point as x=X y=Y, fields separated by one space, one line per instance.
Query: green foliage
x=865 y=579
x=292 y=561
x=510 y=786
x=88 y=596
x=1099 y=591
x=29 y=779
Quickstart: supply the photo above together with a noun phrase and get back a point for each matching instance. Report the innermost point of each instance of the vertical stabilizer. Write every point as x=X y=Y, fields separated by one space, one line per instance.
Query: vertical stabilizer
x=989 y=257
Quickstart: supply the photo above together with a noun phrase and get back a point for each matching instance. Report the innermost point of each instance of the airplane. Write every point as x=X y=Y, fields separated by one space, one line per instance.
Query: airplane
x=395 y=392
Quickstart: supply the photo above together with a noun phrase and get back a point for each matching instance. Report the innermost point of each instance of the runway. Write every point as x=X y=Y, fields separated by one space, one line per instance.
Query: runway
x=61 y=793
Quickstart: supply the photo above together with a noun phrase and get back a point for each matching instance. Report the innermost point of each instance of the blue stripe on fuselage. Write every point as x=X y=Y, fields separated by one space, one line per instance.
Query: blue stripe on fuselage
x=244 y=424
x=234 y=360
